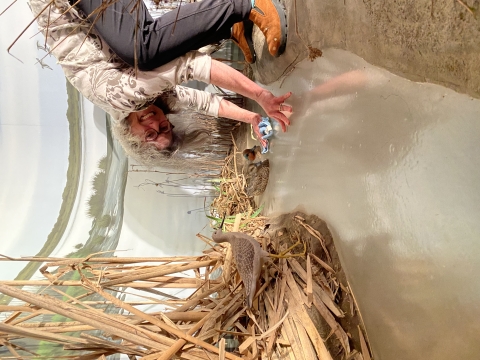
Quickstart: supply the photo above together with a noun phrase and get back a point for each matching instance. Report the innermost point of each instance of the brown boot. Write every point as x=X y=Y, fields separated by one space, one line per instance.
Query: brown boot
x=242 y=36
x=270 y=17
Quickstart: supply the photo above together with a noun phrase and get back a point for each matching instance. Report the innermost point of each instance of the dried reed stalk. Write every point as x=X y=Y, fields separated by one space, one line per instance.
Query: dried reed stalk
x=232 y=199
x=90 y=294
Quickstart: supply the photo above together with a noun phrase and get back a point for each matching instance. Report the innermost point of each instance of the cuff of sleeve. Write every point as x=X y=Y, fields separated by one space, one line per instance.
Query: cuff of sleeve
x=201 y=65
x=214 y=105
x=202 y=101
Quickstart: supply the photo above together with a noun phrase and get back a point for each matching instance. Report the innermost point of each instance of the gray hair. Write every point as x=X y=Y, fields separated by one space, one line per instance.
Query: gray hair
x=193 y=146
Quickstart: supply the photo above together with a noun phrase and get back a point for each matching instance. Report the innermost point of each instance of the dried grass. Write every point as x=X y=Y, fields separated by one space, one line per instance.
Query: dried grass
x=232 y=198
x=192 y=327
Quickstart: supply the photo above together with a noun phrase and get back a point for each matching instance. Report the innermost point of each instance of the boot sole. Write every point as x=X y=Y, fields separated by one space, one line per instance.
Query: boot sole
x=282 y=14
x=248 y=26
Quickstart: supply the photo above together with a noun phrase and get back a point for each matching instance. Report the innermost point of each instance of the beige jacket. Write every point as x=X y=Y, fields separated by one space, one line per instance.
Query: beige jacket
x=103 y=78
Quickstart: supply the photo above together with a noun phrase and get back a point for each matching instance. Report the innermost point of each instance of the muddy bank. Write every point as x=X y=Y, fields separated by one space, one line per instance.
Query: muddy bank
x=427 y=41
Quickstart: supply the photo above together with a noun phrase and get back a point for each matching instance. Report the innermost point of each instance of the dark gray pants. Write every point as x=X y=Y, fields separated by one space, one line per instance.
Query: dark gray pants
x=167 y=37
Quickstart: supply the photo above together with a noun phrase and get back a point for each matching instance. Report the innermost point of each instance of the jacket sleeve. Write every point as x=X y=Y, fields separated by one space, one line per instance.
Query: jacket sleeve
x=151 y=84
x=92 y=67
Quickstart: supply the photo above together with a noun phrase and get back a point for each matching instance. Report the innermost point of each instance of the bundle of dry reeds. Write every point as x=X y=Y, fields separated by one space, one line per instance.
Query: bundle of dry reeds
x=231 y=196
x=101 y=320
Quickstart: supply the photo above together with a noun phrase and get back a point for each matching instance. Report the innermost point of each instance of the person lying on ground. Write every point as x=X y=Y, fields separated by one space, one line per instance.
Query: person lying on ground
x=131 y=65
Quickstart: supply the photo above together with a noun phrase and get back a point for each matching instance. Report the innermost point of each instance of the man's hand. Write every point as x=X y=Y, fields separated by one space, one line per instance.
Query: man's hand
x=274 y=107
x=225 y=77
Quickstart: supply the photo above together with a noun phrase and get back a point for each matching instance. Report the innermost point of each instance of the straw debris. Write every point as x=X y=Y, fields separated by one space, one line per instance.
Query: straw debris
x=99 y=306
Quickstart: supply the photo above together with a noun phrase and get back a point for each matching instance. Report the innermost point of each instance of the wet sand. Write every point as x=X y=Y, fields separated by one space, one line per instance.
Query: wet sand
x=392 y=167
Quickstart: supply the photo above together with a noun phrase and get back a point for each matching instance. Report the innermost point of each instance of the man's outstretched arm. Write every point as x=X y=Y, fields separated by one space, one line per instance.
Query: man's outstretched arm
x=228 y=78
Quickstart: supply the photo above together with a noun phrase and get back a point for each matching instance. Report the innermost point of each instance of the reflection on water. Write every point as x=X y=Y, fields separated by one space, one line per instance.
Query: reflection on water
x=106 y=212
x=110 y=189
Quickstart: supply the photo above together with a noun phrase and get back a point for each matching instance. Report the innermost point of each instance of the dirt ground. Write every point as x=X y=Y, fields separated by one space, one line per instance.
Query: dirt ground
x=435 y=41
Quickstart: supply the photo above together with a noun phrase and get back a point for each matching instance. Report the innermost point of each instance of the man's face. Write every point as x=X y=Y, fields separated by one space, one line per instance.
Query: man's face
x=152 y=126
